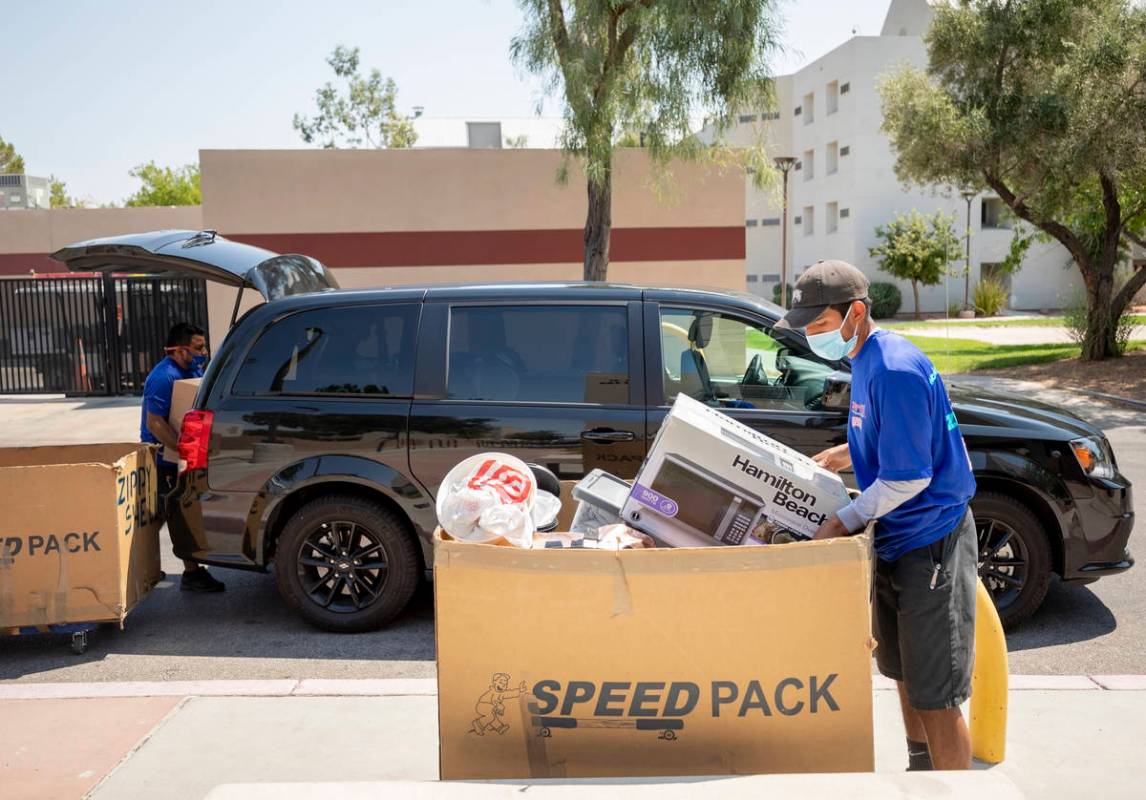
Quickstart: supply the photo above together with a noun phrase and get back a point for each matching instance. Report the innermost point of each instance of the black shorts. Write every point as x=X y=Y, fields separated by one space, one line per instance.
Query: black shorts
x=925 y=635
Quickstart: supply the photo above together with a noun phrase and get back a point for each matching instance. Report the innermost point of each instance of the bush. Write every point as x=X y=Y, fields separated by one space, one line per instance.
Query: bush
x=885 y=300
x=776 y=294
x=990 y=297
x=954 y=309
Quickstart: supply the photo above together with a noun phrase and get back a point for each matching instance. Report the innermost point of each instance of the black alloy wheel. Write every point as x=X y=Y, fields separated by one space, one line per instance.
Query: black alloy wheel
x=347 y=563
x=1014 y=555
x=343 y=567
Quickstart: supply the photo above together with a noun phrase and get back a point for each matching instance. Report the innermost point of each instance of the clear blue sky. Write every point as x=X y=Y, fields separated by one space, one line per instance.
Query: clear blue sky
x=91 y=88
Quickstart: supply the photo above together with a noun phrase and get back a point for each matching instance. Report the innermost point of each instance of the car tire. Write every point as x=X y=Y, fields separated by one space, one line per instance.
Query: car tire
x=1013 y=546
x=351 y=552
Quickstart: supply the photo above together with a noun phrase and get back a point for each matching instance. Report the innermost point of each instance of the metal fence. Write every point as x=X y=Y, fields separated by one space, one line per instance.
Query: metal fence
x=90 y=335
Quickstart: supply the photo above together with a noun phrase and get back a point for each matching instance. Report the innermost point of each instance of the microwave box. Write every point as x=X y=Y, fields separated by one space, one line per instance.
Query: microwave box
x=89 y=559
x=571 y=663
x=708 y=476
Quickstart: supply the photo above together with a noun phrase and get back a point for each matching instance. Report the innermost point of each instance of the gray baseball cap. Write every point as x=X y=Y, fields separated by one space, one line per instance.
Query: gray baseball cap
x=825 y=283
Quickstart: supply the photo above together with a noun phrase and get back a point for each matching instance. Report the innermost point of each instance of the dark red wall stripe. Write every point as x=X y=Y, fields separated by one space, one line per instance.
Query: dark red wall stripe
x=449 y=248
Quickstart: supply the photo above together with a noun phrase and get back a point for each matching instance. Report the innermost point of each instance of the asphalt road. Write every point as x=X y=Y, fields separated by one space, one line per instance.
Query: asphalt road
x=246 y=633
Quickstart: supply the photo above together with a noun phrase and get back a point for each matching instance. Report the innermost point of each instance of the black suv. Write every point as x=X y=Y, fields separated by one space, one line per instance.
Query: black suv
x=327 y=420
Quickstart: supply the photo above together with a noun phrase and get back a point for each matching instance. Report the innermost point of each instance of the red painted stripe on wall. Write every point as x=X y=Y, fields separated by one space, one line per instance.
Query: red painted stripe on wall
x=449 y=248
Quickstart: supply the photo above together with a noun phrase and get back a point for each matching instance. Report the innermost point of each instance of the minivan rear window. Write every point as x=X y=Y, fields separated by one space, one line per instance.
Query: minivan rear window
x=355 y=350
x=539 y=354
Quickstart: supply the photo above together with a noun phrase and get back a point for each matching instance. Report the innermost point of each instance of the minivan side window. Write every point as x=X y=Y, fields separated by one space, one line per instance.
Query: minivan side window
x=729 y=363
x=540 y=354
x=356 y=350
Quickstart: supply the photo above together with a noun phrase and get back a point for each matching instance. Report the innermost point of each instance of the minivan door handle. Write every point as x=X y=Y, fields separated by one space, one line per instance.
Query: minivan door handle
x=606 y=436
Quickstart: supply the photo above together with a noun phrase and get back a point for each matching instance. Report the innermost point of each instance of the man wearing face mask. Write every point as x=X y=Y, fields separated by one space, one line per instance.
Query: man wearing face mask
x=915 y=479
x=186 y=358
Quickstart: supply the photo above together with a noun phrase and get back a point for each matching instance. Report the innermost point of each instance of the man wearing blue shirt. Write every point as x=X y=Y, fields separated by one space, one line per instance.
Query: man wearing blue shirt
x=915 y=478
x=186 y=357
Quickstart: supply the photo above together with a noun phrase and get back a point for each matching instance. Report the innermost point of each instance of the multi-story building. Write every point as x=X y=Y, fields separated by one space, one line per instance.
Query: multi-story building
x=843 y=184
x=24 y=191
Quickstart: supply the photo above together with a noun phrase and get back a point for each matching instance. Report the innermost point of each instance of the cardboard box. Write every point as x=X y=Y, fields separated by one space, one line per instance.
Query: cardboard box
x=689 y=661
x=79 y=533
x=182 y=398
x=709 y=476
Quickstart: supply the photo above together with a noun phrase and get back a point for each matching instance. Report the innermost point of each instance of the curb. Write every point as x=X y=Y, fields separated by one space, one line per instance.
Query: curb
x=428 y=687
x=1112 y=398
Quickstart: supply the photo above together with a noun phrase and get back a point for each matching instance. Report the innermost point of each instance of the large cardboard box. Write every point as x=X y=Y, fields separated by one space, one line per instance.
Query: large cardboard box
x=182 y=398
x=79 y=533
x=690 y=661
x=709 y=476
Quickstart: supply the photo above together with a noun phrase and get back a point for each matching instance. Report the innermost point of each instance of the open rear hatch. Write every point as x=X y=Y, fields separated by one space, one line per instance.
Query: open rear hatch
x=200 y=254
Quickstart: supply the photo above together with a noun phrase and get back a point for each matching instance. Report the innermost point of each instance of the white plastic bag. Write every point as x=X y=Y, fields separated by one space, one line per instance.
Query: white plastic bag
x=546 y=507
x=510 y=522
x=480 y=485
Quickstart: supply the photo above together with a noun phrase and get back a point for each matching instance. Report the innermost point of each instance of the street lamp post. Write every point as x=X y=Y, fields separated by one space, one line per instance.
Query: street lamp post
x=968 y=195
x=784 y=164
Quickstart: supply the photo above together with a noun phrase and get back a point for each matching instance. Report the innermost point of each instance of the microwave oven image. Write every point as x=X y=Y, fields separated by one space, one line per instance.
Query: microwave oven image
x=707 y=506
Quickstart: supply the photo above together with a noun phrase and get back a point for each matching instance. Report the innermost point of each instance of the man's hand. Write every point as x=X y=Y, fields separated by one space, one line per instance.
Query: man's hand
x=834 y=459
x=831 y=529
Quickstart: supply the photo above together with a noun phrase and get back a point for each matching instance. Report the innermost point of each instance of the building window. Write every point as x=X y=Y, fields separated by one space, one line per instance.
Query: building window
x=751 y=223
x=799 y=166
x=809 y=220
x=995 y=214
x=753 y=278
x=845 y=213
x=483 y=134
x=770 y=277
x=770 y=221
x=845 y=150
x=845 y=88
x=798 y=110
x=797 y=220
x=809 y=106
x=833 y=165
x=809 y=164
x=771 y=115
x=833 y=97
x=747 y=117
x=832 y=220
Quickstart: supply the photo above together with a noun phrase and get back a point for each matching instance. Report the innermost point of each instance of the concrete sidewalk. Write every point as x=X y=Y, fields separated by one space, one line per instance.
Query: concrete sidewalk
x=1068 y=735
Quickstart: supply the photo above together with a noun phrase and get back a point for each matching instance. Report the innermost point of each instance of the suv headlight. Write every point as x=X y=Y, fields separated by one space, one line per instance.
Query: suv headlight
x=1094 y=457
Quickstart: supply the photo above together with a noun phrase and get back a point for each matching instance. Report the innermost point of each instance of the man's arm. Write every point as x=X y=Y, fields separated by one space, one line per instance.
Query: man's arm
x=161 y=429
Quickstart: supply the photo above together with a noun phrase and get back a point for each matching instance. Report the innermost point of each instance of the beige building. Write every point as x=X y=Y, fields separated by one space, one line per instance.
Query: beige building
x=388 y=217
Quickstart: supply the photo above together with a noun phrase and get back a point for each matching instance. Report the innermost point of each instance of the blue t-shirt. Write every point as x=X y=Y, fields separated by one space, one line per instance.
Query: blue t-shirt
x=157 y=393
x=901 y=428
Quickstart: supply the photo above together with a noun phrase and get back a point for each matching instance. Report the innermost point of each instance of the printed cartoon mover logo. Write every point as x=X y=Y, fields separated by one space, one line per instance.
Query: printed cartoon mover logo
x=650 y=705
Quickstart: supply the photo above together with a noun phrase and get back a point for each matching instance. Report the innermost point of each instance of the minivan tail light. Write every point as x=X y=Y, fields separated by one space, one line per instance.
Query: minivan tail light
x=194 y=437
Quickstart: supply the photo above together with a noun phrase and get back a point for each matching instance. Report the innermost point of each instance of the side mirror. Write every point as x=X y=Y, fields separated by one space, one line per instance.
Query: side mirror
x=837 y=392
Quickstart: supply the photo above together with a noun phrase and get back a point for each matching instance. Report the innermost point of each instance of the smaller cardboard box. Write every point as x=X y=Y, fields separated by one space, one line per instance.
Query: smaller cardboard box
x=571 y=663
x=79 y=533
x=709 y=476
x=182 y=398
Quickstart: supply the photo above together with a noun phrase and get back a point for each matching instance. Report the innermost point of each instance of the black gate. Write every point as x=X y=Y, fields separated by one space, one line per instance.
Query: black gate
x=90 y=335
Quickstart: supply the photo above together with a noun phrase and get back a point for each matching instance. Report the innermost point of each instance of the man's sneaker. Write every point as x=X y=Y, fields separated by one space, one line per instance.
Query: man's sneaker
x=200 y=581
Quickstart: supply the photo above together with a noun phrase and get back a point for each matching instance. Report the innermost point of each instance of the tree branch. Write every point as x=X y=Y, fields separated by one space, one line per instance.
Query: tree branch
x=1056 y=230
x=1121 y=300
x=1134 y=239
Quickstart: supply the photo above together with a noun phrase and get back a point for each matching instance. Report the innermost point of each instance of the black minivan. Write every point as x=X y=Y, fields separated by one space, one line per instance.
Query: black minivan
x=328 y=418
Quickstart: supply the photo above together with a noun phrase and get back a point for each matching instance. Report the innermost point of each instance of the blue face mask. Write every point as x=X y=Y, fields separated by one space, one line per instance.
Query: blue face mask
x=831 y=345
x=199 y=362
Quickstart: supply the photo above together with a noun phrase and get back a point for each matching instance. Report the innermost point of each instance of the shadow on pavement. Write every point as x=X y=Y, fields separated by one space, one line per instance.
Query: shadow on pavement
x=248 y=620
x=1070 y=614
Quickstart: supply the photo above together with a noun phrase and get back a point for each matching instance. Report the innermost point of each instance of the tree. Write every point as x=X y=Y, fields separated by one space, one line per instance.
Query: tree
x=59 y=195
x=917 y=248
x=651 y=66
x=1042 y=102
x=11 y=162
x=365 y=113
x=166 y=186
x=517 y=142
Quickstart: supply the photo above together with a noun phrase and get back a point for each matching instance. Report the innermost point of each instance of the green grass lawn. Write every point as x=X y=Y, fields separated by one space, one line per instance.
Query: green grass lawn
x=1039 y=322
x=967 y=355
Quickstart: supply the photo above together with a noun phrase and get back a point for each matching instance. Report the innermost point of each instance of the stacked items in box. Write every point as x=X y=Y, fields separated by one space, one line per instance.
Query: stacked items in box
x=708 y=480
